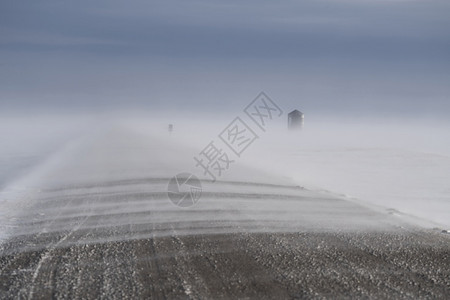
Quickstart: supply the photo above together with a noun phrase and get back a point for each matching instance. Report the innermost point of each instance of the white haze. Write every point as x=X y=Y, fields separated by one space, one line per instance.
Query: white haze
x=398 y=163
x=384 y=164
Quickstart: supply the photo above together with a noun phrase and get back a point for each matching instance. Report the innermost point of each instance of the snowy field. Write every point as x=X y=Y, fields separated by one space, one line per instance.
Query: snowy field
x=403 y=165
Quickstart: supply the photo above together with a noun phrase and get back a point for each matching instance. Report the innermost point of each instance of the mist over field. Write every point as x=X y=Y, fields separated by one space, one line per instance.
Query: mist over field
x=398 y=166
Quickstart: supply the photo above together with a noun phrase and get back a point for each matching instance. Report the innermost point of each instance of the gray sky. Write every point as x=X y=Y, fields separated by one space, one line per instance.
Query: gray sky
x=359 y=56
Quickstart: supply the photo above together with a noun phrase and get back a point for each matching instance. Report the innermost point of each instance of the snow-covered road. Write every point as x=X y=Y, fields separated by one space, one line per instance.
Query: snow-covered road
x=95 y=221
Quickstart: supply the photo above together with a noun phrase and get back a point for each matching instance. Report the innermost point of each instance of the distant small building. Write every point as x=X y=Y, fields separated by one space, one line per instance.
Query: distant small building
x=296 y=119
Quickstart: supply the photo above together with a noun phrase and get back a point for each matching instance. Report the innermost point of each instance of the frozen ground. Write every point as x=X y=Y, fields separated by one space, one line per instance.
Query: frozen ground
x=93 y=219
x=398 y=164
x=26 y=141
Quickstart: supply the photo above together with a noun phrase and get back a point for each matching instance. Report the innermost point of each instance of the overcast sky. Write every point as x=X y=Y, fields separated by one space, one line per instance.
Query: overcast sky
x=388 y=56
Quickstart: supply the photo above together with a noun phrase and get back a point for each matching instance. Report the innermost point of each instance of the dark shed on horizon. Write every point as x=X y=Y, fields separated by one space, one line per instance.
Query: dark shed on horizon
x=295 y=119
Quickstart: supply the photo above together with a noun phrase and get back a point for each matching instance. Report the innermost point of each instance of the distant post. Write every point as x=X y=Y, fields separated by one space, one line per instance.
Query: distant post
x=295 y=120
x=170 y=128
